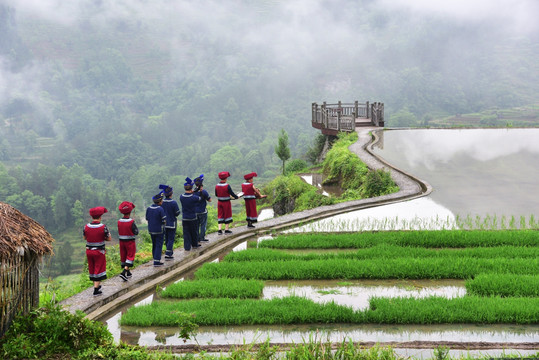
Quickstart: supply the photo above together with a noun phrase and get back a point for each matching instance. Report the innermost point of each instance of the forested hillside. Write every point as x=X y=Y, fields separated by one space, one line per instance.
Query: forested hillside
x=102 y=101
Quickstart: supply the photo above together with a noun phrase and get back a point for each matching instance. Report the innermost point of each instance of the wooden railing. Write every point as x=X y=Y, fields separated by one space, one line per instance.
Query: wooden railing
x=332 y=118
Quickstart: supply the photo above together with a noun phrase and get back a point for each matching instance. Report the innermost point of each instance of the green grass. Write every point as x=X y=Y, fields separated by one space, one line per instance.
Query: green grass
x=344 y=167
x=297 y=310
x=215 y=288
x=401 y=268
x=424 y=238
x=505 y=285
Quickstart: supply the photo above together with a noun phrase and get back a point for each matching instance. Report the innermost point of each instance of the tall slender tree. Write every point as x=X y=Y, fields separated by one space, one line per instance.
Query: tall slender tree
x=282 y=149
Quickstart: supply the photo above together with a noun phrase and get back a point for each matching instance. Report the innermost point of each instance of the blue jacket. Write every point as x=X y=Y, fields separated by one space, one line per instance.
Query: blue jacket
x=200 y=206
x=156 y=217
x=172 y=210
x=189 y=202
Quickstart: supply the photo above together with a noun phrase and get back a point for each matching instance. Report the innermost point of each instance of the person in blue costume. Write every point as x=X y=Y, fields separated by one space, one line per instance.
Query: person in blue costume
x=172 y=211
x=189 y=201
x=202 y=212
x=156 y=217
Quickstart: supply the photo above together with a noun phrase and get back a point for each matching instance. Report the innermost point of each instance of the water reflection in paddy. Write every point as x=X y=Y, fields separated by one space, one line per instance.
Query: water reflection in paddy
x=423 y=213
x=334 y=333
x=472 y=171
x=317 y=180
x=356 y=294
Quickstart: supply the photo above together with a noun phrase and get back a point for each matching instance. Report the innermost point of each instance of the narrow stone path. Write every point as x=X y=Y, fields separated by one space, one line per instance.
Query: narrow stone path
x=117 y=293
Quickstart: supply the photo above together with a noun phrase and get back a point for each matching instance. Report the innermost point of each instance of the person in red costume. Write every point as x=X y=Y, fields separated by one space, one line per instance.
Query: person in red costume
x=223 y=193
x=127 y=231
x=250 y=194
x=95 y=233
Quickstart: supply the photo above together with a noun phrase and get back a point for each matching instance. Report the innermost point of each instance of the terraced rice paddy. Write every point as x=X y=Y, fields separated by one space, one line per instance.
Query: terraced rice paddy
x=427 y=284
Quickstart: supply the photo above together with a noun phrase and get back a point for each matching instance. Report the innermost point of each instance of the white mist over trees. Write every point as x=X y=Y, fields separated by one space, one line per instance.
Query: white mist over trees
x=103 y=100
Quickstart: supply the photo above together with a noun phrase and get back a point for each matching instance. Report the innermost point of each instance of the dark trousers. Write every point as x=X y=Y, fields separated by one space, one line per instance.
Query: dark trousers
x=190 y=234
x=157 y=246
x=202 y=221
x=169 y=241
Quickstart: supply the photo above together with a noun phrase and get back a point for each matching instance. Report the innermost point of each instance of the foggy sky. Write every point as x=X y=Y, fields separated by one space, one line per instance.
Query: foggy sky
x=290 y=34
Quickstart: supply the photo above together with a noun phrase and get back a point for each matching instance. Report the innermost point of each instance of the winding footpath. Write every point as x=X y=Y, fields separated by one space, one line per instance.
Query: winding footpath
x=117 y=293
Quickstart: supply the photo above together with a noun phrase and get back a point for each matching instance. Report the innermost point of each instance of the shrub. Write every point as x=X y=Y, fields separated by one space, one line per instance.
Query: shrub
x=377 y=183
x=295 y=165
x=342 y=166
x=49 y=331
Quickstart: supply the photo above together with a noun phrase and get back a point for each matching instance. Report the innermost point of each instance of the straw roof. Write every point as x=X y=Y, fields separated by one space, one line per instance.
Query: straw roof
x=20 y=233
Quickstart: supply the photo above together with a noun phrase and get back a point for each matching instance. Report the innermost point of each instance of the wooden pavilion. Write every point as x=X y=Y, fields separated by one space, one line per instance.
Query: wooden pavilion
x=23 y=242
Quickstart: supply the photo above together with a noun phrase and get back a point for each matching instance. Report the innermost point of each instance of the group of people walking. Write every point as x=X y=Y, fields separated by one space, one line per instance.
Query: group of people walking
x=162 y=222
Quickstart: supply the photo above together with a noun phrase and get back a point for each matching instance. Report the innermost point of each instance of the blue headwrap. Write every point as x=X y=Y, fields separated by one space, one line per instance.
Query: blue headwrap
x=188 y=182
x=158 y=197
x=167 y=189
x=199 y=180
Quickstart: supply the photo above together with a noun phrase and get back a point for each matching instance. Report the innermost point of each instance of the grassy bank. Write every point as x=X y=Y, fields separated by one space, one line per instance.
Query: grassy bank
x=342 y=168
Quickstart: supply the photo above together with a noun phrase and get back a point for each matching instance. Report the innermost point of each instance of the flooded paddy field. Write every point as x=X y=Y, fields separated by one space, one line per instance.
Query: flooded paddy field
x=414 y=340
x=432 y=212
x=473 y=171
x=355 y=294
x=482 y=178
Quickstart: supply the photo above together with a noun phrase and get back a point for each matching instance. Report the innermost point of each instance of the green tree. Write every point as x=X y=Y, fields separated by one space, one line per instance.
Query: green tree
x=64 y=256
x=8 y=184
x=403 y=118
x=254 y=161
x=282 y=149
x=77 y=211
x=227 y=158
x=34 y=206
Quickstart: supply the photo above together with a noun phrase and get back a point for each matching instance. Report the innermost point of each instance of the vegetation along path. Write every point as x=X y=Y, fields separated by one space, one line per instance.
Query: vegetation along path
x=117 y=293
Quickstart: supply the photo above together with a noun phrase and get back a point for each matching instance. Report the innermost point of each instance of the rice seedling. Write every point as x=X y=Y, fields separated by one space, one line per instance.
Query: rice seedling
x=318 y=350
x=297 y=310
x=214 y=288
x=382 y=268
x=428 y=239
x=505 y=285
x=329 y=292
x=468 y=309
x=375 y=224
x=288 y=310
x=487 y=222
x=386 y=251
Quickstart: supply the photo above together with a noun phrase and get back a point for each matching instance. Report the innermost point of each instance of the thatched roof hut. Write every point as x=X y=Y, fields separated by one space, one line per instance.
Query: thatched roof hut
x=23 y=242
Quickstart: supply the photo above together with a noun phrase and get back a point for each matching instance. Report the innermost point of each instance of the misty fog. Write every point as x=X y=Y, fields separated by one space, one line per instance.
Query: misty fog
x=341 y=49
